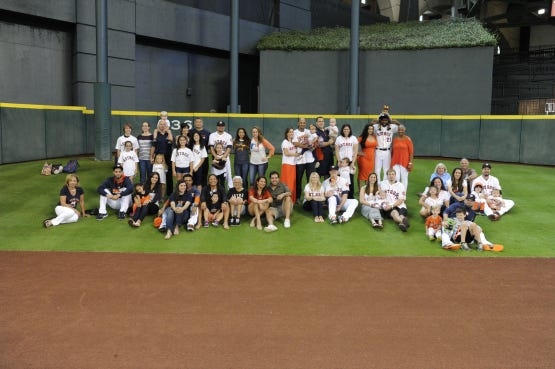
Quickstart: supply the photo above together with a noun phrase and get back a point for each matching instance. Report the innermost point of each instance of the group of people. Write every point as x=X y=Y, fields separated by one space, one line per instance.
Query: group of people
x=451 y=203
x=207 y=194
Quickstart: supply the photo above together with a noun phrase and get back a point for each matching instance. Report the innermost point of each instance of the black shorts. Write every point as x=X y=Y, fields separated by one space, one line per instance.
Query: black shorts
x=468 y=239
x=387 y=213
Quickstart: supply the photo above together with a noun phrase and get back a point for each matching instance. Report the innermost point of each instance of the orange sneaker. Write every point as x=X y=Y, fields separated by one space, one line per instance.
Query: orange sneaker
x=495 y=248
x=452 y=247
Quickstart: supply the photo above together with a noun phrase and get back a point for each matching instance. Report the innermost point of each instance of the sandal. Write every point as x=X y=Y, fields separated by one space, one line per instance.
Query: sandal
x=47 y=223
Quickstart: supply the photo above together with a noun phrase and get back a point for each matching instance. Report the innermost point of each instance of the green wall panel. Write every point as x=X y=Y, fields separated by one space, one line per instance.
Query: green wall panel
x=274 y=129
x=247 y=123
x=89 y=133
x=500 y=139
x=23 y=134
x=536 y=145
x=460 y=138
x=425 y=135
x=65 y=133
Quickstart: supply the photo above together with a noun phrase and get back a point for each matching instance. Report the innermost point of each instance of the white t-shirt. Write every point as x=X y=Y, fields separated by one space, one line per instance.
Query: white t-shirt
x=345 y=173
x=120 y=143
x=311 y=193
x=182 y=157
x=346 y=146
x=394 y=191
x=258 y=153
x=159 y=168
x=289 y=160
x=128 y=159
x=198 y=154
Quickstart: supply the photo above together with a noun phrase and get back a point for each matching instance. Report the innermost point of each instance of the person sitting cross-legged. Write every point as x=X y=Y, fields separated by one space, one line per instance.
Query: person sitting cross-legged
x=116 y=193
x=336 y=191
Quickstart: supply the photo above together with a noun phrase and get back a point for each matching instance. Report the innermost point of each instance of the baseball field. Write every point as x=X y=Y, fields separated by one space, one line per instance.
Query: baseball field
x=103 y=295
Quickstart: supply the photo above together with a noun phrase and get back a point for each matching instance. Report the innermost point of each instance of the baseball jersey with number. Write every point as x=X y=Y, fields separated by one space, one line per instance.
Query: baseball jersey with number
x=384 y=135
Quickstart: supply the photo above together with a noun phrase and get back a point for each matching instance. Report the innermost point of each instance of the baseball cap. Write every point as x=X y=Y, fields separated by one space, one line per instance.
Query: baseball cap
x=471 y=197
x=220 y=123
x=486 y=165
x=333 y=167
x=117 y=166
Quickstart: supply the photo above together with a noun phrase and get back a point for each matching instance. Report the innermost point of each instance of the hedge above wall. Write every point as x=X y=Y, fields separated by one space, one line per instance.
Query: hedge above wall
x=434 y=34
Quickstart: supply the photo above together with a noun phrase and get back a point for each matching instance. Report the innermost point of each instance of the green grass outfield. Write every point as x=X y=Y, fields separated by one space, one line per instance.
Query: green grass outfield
x=28 y=198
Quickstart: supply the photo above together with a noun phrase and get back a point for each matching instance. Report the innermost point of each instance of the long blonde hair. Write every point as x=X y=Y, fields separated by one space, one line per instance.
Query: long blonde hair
x=314 y=186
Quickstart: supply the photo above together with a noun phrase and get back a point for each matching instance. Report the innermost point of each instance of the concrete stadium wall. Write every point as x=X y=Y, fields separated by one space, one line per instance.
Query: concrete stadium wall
x=60 y=131
x=59 y=36
x=436 y=81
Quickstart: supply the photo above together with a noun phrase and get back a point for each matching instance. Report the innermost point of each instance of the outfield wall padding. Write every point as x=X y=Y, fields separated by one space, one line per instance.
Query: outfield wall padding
x=536 y=142
x=37 y=132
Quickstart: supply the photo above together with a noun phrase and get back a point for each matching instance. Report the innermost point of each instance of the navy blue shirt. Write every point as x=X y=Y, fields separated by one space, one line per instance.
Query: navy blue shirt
x=451 y=211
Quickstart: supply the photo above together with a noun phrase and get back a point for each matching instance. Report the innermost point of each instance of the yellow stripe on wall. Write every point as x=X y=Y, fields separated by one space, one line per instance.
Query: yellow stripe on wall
x=36 y=106
x=368 y=117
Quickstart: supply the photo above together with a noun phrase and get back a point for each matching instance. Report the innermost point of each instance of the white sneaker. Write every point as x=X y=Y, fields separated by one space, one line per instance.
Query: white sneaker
x=287 y=223
x=270 y=228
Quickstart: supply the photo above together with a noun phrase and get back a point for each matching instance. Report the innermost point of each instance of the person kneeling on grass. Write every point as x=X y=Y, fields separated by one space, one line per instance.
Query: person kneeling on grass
x=459 y=233
x=71 y=197
x=116 y=193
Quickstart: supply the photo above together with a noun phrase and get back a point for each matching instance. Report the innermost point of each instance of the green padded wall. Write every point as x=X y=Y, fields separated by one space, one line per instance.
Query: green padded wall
x=425 y=134
x=536 y=144
x=23 y=134
x=500 y=138
x=68 y=131
x=460 y=137
x=65 y=133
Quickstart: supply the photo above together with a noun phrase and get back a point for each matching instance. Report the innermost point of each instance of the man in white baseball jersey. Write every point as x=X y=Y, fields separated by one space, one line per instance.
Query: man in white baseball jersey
x=336 y=191
x=490 y=183
x=221 y=136
x=384 y=130
x=396 y=195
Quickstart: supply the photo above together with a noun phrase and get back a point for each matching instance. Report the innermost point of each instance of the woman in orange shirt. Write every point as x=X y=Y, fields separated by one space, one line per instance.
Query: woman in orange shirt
x=402 y=155
x=366 y=153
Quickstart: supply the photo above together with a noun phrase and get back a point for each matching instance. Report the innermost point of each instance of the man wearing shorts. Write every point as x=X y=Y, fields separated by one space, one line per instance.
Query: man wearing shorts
x=282 y=203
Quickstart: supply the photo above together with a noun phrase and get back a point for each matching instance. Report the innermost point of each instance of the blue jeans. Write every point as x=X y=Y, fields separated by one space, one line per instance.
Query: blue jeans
x=257 y=170
x=145 y=168
x=242 y=170
x=173 y=219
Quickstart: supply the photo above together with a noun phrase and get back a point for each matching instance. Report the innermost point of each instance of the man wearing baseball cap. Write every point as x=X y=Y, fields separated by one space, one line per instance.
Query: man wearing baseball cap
x=336 y=191
x=490 y=183
x=115 y=192
x=468 y=204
